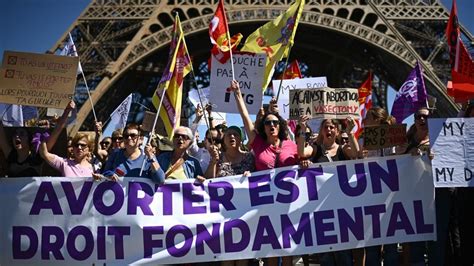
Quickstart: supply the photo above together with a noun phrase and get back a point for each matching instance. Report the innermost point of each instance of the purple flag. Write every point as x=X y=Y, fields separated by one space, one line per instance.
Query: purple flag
x=411 y=96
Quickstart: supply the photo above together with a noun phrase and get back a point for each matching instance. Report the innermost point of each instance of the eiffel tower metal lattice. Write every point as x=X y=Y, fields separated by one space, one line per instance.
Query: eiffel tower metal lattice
x=123 y=44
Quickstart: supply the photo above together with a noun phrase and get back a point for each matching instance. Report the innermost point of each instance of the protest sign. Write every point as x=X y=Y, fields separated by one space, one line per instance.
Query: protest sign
x=148 y=119
x=218 y=117
x=452 y=143
x=326 y=102
x=293 y=84
x=384 y=136
x=249 y=70
x=326 y=207
x=42 y=80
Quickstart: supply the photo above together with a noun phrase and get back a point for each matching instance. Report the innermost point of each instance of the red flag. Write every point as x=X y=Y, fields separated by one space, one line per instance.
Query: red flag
x=219 y=34
x=223 y=56
x=462 y=66
x=292 y=71
x=365 y=103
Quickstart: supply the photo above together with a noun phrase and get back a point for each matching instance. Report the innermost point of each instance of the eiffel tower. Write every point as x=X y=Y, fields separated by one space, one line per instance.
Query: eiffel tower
x=123 y=45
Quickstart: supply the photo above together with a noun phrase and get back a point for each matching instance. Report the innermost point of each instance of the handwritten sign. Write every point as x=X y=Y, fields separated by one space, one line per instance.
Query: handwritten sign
x=148 y=119
x=324 y=103
x=452 y=143
x=384 y=136
x=249 y=70
x=293 y=84
x=42 y=80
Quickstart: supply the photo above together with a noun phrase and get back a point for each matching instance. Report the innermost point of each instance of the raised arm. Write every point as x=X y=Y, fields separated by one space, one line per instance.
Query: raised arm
x=304 y=151
x=45 y=154
x=98 y=151
x=249 y=127
x=212 y=123
x=211 y=170
x=194 y=148
x=60 y=125
x=351 y=150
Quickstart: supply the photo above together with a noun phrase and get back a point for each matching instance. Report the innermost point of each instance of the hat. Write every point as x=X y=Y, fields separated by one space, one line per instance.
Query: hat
x=236 y=129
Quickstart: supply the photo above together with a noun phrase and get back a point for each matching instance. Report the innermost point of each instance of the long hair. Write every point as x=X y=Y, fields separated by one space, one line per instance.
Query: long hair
x=283 y=127
x=381 y=115
x=335 y=122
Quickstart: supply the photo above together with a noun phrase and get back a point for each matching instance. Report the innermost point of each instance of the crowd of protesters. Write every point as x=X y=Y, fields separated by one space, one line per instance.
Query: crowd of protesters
x=270 y=143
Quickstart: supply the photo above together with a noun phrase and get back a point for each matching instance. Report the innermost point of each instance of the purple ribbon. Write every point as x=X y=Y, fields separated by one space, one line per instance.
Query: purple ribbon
x=38 y=138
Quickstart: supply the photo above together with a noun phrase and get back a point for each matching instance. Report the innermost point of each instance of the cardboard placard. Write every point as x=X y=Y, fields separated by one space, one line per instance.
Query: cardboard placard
x=336 y=103
x=42 y=80
x=249 y=70
x=148 y=119
x=293 y=84
x=384 y=136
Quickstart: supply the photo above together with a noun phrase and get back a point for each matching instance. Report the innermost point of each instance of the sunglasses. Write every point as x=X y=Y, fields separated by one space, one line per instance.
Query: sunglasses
x=132 y=136
x=105 y=143
x=418 y=116
x=345 y=139
x=271 y=122
x=80 y=145
x=181 y=136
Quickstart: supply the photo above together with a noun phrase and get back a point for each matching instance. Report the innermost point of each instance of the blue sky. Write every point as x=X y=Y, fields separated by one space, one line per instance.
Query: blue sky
x=36 y=25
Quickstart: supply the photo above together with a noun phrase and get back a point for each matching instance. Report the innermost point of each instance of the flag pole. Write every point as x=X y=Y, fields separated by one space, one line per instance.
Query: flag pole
x=89 y=94
x=284 y=71
x=85 y=81
x=229 y=43
x=198 y=89
x=154 y=124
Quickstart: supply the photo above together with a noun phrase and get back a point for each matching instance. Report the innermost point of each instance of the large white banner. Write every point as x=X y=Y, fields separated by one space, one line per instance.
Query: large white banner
x=249 y=70
x=327 y=207
x=293 y=84
x=452 y=143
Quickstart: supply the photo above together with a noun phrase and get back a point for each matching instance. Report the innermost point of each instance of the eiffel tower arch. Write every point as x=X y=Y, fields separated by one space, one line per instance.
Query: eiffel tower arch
x=123 y=44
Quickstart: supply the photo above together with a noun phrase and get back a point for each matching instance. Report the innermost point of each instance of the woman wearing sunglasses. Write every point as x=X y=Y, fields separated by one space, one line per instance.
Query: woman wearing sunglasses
x=178 y=164
x=377 y=116
x=419 y=144
x=79 y=165
x=269 y=142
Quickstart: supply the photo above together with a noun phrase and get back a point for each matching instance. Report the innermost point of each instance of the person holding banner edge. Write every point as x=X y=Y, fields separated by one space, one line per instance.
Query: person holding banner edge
x=373 y=255
x=327 y=150
x=270 y=144
x=419 y=144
